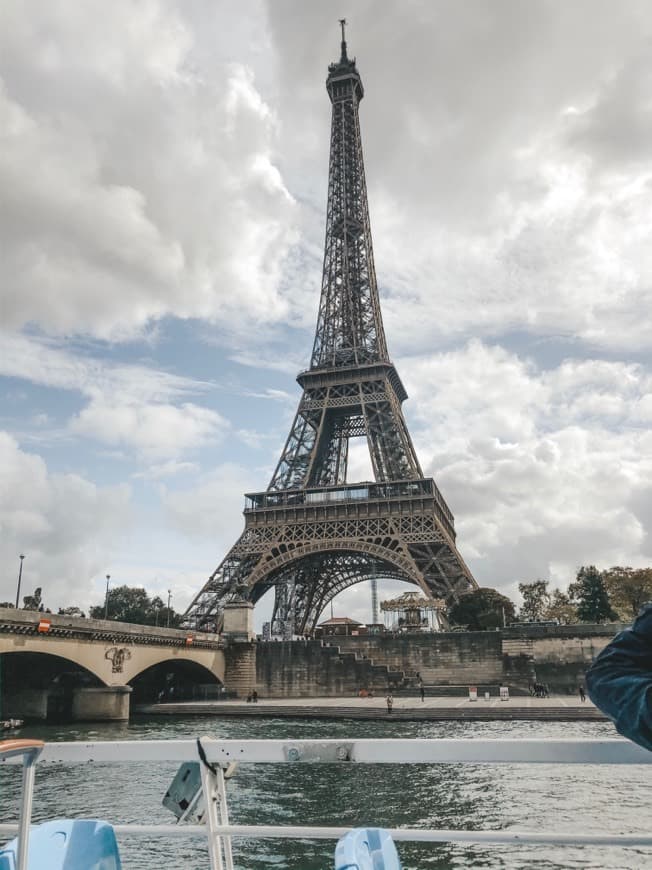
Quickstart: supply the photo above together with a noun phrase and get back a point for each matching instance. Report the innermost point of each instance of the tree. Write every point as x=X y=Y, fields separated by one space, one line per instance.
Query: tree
x=592 y=598
x=561 y=609
x=628 y=589
x=482 y=609
x=133 y=604
x=536 y=600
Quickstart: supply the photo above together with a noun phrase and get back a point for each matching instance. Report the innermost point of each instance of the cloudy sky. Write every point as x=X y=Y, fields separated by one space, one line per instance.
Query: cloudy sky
x=163 y=171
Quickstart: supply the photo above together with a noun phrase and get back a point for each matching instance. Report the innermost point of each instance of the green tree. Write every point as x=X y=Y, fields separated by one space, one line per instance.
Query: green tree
x=591 y=594
x=482 y=609
x=536 y=600
x=561 y=608
x=133 y=604
x=628 y=589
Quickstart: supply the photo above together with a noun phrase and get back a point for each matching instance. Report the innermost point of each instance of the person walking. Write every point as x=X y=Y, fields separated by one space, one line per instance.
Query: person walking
x=390 y=703
x=582 y=694
x=422 y=690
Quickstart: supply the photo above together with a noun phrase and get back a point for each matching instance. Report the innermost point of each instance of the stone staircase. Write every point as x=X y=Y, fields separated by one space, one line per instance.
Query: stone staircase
x=368 y=674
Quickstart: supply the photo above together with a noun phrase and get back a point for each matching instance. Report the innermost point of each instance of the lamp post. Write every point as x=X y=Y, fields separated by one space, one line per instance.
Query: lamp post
x=106 y=598
x=20 y=577
x=169 y=598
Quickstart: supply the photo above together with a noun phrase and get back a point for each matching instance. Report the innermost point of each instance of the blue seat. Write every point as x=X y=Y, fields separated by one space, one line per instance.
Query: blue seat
x=366 y=849
x=67 y=844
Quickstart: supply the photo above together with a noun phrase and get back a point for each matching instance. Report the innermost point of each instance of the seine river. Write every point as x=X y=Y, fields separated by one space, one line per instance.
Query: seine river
x=571 y=799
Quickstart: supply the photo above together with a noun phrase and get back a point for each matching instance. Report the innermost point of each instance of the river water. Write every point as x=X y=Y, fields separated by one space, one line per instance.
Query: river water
x=564 y=799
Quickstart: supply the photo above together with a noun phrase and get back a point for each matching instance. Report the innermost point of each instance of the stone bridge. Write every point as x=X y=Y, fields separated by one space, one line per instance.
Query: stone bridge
x=92 y=665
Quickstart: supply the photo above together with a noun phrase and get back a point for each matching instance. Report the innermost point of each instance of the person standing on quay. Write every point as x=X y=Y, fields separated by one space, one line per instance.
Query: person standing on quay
x=582 y=694
x=422 y=690
x=390 y=703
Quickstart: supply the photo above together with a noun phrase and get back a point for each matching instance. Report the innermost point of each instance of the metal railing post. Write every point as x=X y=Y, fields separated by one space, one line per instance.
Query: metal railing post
x=25 y=819
x=28 y=751
x=217 y=814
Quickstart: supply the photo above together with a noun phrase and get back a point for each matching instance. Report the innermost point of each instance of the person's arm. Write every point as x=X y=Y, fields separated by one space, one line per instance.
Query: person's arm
x=619 y=681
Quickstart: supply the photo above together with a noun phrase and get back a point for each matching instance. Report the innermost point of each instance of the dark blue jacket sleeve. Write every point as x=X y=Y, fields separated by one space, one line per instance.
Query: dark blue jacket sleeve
x=619 y=681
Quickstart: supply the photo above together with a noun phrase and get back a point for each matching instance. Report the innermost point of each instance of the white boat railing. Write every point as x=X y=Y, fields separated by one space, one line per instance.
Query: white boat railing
x=219 y=754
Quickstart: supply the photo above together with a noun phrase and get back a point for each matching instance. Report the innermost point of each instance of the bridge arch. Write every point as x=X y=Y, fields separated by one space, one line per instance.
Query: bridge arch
x=113 y=662
x=176 y=679
x=144 y=658
x=47 y=662
x=43 y=685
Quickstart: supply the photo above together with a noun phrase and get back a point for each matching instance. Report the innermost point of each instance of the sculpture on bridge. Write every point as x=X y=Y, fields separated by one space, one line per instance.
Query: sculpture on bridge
x=117 y=656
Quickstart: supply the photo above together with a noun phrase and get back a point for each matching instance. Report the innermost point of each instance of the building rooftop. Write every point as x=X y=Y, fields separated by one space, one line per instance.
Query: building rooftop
x=340 y=620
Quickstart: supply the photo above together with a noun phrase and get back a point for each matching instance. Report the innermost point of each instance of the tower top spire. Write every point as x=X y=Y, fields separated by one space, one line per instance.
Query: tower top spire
x=343 y=57
x=344 y=73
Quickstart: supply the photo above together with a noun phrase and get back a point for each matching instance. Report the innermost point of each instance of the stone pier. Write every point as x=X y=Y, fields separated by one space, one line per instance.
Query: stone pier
x=104 y=704
x=80 y=704
x=240 y=652
x=25 y=704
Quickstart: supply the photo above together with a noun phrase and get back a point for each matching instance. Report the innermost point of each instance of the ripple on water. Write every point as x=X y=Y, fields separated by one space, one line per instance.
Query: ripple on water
x=539 y=797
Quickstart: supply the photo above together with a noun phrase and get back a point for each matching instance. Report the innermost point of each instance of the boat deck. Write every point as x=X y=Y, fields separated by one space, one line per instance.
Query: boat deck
x=214 y=760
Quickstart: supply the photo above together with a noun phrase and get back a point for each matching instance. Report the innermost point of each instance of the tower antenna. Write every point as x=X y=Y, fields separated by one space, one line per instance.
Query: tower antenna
x=374 y=600
x=343 y=26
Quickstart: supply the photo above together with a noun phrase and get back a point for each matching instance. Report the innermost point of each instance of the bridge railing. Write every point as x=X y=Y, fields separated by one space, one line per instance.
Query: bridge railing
x=31 y=622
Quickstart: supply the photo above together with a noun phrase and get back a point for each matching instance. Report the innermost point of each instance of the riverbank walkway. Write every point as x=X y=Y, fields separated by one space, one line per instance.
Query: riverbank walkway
x=559 y=708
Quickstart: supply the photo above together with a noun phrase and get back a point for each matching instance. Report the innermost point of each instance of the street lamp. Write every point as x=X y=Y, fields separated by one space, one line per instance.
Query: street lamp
x=20 y=577
x=169 y=597
x=106 y=598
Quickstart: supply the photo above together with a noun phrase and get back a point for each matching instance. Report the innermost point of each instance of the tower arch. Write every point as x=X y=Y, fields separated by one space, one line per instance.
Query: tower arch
x=307 y=578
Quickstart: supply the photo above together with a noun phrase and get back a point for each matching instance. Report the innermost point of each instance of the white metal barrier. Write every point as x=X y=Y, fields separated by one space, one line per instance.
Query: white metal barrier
x=218 y=754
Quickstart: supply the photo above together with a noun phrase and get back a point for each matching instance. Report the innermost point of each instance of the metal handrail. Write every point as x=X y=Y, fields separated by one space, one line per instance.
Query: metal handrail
x=367 y=751
x=219 y=753
x=25 y=752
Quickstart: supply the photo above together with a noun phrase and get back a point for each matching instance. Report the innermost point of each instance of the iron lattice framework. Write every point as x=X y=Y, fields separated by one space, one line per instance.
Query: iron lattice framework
x=310 y=534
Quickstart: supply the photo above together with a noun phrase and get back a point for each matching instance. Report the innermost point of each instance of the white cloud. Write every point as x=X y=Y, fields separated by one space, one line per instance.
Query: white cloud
x=130 y=406
x=168 y=162
x=51 y=364
x=66 y=526
x=145 y=173
x=488 y=212
x=167 y=469
x=157 y=431
x=545 y=470
x=132 y=186
x=212 y=509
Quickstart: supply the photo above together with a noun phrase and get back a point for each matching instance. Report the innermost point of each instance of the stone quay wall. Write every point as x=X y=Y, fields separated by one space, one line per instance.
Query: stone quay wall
x=559 y=655
x=556 y=655
x=451 y=658
x=309 y=668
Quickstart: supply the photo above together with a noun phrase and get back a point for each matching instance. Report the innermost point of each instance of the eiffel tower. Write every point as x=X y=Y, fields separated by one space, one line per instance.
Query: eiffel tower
x=311 y=534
